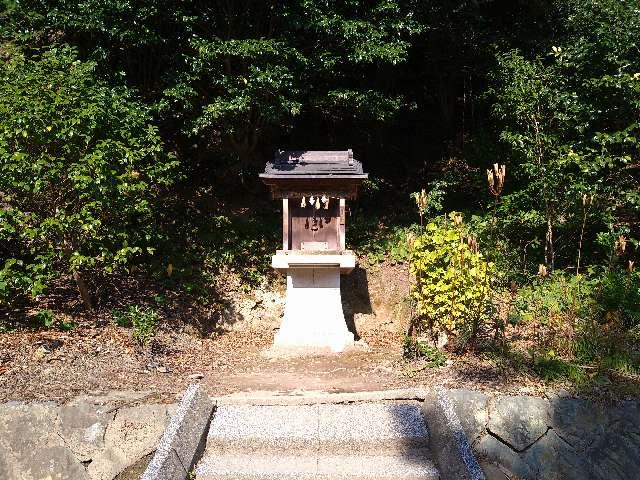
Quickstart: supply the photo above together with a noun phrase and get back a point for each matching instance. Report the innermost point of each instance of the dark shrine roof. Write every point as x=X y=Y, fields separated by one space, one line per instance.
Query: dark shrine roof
x=321 y=164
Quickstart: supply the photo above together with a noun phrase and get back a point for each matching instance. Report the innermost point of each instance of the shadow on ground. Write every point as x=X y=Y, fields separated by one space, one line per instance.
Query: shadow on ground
x=354 y=290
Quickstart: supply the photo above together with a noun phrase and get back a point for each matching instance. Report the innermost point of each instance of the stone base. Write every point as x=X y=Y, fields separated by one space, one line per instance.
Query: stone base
x=313 y=316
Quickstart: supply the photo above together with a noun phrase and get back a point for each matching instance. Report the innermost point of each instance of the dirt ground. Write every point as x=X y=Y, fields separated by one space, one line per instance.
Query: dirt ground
x=58 y=366
x=233 y=356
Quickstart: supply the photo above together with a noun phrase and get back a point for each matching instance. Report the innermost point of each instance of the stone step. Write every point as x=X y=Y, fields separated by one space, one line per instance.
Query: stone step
x=367 y=428
x=412 y=466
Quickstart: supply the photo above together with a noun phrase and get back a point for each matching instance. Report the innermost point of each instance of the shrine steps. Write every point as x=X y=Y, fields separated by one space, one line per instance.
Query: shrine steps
x=250 y=467
x=372 y=441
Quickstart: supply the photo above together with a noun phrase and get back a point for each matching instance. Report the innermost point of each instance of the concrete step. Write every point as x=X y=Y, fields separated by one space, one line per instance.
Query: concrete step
x=367 y=428
x=413 y=466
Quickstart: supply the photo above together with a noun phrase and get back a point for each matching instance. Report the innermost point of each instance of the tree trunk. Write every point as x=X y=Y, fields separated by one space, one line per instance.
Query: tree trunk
x=83 y=290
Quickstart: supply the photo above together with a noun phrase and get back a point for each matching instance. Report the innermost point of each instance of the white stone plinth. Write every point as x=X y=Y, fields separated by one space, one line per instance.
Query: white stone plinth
x=290 y=259
x=313 y=317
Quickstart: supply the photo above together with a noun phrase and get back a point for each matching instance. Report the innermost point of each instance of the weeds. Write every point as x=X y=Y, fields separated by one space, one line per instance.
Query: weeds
x=47 y=319
x=549 y=367
x=583 y=326
x=143 y=321
x=419 y=348
x=378 y=243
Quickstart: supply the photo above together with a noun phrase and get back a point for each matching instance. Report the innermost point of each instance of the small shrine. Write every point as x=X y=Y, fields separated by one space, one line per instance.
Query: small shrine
x=314 y=187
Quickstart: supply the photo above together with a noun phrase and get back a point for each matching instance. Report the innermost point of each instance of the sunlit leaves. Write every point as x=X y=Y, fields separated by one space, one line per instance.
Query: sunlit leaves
x=69 y=147
x=453 y=281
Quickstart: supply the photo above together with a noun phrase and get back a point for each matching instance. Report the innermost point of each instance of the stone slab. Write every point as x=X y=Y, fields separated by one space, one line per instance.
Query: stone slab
x=323 y=467
x=367 y=427
x=552 y=458
x=274 y=429
x=378 y=467
x=578 y=420
x=449 y=443
x=252 y=467
x=313 y=397
x=471 y=408
x=183 y=440
x=616 y=454
x=30 y=448
x=548 y=458
x=23 y=426
x=51 y=461
x=374 y=428
x=346 y=262
x=133 y=434
x=519 y=420
x=83 y=427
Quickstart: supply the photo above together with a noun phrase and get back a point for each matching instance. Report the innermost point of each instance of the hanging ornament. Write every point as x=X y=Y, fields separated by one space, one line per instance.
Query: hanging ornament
x=312 y=200
x=318 y=204
x=325 y=202
x=303 y=203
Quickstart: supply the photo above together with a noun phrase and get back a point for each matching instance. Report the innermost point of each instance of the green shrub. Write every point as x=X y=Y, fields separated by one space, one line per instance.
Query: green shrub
x=453 y=281
x=414 y=348
x=378 y=243
x=550 y=367
x=81 y=168
x=612 y=295
x=560 y=308
x=45 y=318
x=554 y=296
x=120 y=318
x=619 y=292
x=200 y=247
x=581 y=319
x=142 y=319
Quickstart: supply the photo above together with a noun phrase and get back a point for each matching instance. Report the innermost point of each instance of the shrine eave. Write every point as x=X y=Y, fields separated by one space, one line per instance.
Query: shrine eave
x=297 y=176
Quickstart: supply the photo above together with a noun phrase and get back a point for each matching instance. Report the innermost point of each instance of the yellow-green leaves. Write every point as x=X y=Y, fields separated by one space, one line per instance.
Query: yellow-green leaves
x=453 y=281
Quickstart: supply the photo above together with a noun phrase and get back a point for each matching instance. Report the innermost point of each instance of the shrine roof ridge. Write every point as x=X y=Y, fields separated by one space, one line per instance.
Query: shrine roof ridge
x=314 y=164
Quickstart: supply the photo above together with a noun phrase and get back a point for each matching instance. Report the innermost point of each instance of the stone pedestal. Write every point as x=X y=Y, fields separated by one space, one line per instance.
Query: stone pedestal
x=313 y=317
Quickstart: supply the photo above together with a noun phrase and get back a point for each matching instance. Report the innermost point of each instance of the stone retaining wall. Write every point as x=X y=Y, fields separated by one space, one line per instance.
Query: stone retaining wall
x=90 y=438
x=526 y=437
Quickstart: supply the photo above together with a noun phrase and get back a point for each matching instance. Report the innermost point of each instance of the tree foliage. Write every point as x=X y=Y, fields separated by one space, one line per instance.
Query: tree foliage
x=82 y=166
x=425 y=92
x=236 y=73
x=570 y=117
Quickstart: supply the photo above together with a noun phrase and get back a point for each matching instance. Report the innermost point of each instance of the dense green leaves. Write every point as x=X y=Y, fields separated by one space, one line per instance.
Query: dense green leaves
x=571 y=120
x=249 y=78
x=423 y=92
x=237 y=72
x=81 y=167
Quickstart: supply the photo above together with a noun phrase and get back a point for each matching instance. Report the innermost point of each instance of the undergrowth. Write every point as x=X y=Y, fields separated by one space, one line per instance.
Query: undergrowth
x=418 y=348
x=141 y=319
x=583 y=327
